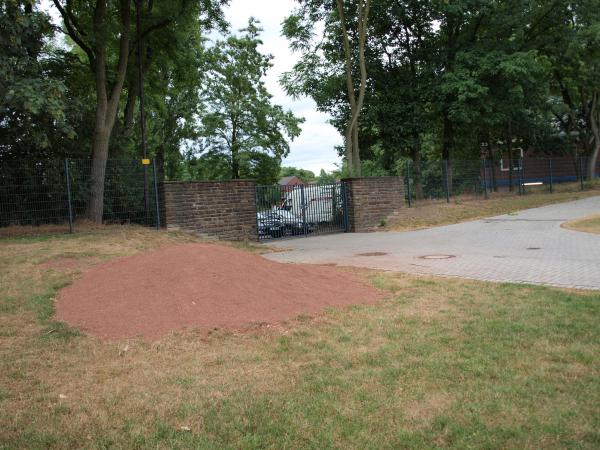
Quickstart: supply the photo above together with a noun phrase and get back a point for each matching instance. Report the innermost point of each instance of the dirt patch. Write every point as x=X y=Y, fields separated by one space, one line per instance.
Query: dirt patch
x=201 y=287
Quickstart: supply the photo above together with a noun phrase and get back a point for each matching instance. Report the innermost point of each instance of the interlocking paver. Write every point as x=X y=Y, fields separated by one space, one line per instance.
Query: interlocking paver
x=526 y=247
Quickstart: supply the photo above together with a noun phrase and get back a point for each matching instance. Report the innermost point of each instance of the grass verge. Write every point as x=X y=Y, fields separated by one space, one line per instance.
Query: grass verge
x=589 y=224
x=439 y=363
x=427 y=213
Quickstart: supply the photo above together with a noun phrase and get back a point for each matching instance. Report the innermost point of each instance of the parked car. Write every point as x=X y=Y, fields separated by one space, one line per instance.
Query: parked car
x=293 y=224
x=279 y=222
x=269 y=224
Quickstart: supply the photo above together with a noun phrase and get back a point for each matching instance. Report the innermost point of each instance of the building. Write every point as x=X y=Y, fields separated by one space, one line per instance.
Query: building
x=288 y=183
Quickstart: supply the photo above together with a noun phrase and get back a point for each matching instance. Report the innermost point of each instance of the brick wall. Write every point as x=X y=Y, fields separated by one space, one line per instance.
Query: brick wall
x=220 y=209
x=372 y=199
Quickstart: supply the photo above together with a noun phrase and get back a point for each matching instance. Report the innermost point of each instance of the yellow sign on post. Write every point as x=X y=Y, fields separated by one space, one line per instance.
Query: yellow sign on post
x=145 y=162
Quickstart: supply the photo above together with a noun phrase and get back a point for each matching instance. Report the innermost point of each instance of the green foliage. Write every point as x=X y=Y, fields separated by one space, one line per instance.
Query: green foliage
x=33 y=100
x=327 y=177
x=240 y=120
x=447 y=77
x=305 y=175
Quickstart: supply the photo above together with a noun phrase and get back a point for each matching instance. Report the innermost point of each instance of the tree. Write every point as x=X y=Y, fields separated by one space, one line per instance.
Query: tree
x=317 y=74
x=572 y=45
x=101 y=31
x=327 y=177
x=33 y=99
x=93 y=30
x=401 y=64
x=356 y=101
x=240 y=120
x=305 y=175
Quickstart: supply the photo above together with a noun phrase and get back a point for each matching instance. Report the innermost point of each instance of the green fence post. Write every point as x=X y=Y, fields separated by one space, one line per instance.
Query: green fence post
x=446 y=181
x=485 y=192
x=156 y=194
x=408 y=183
x=551 y=175
x=69 y=195
x=581 y=171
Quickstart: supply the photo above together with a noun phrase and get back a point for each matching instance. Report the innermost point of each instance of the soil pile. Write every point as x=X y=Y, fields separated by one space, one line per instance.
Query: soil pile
x=200 y=286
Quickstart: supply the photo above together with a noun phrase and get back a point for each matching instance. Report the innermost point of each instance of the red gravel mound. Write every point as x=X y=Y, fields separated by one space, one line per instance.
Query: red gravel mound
x=200 y=286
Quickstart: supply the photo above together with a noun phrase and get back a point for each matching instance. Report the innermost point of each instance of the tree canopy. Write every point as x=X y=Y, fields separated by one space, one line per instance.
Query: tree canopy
x=410 y=80
x=446 y=79
x=240 y=121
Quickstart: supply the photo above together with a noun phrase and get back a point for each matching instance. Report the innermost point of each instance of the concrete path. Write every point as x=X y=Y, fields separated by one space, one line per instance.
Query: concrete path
x=526 y=247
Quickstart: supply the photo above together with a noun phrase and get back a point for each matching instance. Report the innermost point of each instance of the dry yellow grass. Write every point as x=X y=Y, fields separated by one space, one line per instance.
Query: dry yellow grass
x=590 y=224
x=425 y=214
x=438 y=363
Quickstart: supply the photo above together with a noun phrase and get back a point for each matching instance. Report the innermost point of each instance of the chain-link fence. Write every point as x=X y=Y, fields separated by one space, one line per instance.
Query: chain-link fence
x=54 y=195
x=443 y=180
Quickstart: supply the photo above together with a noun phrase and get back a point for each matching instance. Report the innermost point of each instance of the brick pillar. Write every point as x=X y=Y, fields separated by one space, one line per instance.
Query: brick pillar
x=371 y=199
x=220 y=209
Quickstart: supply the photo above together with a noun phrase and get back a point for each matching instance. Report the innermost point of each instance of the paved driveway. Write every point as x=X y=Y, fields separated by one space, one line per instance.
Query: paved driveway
x=527 y=247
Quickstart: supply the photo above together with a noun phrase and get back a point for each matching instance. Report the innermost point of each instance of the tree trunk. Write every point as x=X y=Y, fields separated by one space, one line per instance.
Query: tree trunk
x=235 y=163
x=106 y=105
x=99 y=159
x=356 y=152
x=349 y=150
x=133 y=91
x=349 y=87
x=352 y=149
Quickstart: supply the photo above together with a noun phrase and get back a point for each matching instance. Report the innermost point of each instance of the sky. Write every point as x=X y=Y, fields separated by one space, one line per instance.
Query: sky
x=314 y=148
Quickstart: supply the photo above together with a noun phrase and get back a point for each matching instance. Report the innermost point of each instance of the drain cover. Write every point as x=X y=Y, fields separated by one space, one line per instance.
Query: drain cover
x=437 y=256
x=534 y=248
x=372 y=254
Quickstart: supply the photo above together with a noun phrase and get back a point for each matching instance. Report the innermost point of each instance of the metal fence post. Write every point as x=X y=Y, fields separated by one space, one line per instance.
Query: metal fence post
x=581 y=171
x=304 y=225
x=485 y=192
x=69 y=195
x=522 y=171
x=156 y=194
x=408 y=183
x=446 y=181
x=551 y=175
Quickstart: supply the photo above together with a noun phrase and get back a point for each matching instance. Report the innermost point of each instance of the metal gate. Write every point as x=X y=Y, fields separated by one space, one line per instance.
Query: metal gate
x=302 y=210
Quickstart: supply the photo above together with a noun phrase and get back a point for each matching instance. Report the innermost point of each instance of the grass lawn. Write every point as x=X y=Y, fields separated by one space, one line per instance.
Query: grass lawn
x=426 y=213
x=439 y=363
x=589 y=224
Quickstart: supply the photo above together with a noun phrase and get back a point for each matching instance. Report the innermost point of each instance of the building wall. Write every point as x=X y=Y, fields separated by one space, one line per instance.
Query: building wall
x=372 y=199
x=219 y=209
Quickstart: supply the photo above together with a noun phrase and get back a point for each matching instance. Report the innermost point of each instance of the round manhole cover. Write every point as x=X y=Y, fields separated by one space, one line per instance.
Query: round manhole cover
x=372 y=254
x=437 y=256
